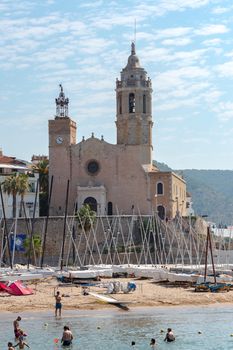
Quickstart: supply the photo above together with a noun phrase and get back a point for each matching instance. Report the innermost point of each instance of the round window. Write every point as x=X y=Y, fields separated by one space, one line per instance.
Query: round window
x=93 y=167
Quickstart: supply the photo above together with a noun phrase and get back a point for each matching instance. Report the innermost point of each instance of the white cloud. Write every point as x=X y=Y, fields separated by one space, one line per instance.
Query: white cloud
x=164 y=6
x=212 y=29
x=221 y=10
x=94 y=45
x=212 y=42
x=92 y=4
x=173 y=32
x=224 y=111
x=225 y=69
x=175 y=104
x=176 y=42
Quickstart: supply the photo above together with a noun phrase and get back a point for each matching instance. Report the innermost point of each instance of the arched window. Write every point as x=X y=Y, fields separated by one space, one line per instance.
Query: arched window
x=91 y=202
x=119 y=104
x=131 y=103
x=109 y=208
x=161 y=211
x=160 y=188
x=144 y=104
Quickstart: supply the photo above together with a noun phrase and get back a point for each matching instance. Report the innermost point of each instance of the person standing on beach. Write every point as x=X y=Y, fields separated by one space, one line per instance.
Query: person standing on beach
x=169 y=336
x=67 y=336
x=58 y=304
x=16 y=327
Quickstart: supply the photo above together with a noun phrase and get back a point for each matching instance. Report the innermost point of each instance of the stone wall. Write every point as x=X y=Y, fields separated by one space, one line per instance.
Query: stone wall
x=112 y=240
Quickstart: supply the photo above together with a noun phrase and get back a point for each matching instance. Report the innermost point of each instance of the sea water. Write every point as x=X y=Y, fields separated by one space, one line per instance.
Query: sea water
x=116 y=329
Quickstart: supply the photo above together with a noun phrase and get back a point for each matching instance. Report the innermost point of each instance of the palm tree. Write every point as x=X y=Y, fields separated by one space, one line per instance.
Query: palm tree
x=42 y=167
x=13 y=185
x=86 y=217
x=23 y=187
x=33 y=247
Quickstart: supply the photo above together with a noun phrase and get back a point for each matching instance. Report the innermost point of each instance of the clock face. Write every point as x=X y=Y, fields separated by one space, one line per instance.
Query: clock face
x=59 y=140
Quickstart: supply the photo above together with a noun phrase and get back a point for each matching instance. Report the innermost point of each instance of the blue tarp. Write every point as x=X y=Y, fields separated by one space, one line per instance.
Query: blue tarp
x=19 y=242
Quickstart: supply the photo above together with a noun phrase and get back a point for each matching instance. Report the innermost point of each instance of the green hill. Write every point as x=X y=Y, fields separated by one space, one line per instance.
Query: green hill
x=211 y=190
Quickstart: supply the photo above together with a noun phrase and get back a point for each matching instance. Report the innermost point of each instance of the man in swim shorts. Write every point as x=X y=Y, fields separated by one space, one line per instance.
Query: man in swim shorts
x=16 y=327
x=58 y=304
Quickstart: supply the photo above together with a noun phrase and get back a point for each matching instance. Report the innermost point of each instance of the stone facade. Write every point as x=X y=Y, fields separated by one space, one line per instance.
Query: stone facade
x=114 y=178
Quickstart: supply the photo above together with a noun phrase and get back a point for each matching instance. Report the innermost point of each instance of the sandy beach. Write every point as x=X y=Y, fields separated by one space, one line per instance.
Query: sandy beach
x=147 y=294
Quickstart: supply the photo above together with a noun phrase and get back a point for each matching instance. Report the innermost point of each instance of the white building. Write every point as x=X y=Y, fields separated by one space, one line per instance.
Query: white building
x=8 y=166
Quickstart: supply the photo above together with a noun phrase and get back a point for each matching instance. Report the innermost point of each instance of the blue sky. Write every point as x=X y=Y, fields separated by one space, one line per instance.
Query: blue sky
x=184 y=45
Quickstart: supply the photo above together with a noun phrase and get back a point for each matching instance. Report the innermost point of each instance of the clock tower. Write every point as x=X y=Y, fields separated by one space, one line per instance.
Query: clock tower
x=62 y=130
x=62 y=135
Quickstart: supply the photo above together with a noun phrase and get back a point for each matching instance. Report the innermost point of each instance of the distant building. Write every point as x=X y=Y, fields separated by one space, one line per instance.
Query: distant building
x=36 y=159
x=189 y=205
x=114 y=178
x=8 y=166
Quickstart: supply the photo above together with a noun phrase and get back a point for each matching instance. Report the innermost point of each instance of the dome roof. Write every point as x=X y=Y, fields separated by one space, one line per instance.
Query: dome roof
x=133 y=60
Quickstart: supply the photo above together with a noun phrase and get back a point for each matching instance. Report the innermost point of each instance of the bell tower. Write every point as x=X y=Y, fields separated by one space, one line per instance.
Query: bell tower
x=133 y=101
x=62 y=130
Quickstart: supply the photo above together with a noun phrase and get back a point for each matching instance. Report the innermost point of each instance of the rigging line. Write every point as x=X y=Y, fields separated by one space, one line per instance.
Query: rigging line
x=5 y=232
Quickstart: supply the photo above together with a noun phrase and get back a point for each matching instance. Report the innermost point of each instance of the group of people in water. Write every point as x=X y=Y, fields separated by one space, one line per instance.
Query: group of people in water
x=20 y=335
x=67 y=335
x=168 y=338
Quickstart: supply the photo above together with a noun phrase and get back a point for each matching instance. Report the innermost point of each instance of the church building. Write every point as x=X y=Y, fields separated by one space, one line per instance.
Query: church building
x=114 y=179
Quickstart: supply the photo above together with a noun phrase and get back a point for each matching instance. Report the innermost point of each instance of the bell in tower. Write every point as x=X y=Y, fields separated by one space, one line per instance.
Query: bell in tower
x=62 y=104
x=133 y=94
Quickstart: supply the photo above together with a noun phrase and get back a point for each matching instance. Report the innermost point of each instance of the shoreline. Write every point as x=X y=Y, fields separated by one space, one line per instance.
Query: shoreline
x=109 y=311
x=147 y=295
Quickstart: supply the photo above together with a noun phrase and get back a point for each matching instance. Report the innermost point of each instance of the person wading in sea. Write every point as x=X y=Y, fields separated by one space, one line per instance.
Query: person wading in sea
x=169 y=336
x=21 y=344
x=16 y=327
x=67 y=336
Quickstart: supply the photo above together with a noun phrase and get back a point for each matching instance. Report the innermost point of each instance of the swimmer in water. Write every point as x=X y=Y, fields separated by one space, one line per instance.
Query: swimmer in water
x=152 y=343
x=21 y=344
x=67 y=336
x=169 y=336
x=10 y=346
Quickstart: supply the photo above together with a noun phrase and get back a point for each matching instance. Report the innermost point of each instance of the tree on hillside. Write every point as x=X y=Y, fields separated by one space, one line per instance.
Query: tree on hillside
x=13 y=185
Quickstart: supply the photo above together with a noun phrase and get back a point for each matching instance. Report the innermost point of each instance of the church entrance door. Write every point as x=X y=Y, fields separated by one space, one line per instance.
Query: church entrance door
x=161 y=211
x=91 y=202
